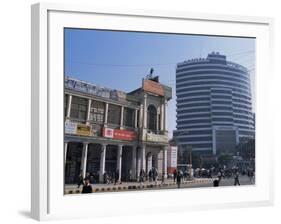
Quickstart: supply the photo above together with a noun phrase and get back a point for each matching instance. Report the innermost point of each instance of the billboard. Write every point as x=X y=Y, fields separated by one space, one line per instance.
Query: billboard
x=153 y=87
x=150 y=137
x=119 y=134
x=83 y=129
x=172 y=156
x=89 y=88
x=70 y=127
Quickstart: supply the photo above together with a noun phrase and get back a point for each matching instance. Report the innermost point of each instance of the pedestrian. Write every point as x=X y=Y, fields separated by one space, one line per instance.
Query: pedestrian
x=210 y=173
x=155 y=175
x=80 y=180
x=116 y=177
x=236 y=179
x=87 y=188
x=251 y=176
x=185 y=174
x=150 y=175
x=87 y=176
x=219 y=176
x=216 y=183
x=142 y=174
x=105 y=178
x=163 y=179
x=179 y=176
x=175 y=175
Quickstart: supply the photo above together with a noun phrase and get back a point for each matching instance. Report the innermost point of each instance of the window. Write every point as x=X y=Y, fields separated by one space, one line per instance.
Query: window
x=66 y=97
x=114 y=113
x=152 y=118
x=97 y=112
x=79 y=108
x=129 y=119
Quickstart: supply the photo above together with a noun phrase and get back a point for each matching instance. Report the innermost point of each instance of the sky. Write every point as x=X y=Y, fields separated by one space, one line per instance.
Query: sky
x=120 y=59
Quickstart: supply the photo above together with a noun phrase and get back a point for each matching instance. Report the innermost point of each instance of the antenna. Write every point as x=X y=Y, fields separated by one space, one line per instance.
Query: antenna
x=149 y=76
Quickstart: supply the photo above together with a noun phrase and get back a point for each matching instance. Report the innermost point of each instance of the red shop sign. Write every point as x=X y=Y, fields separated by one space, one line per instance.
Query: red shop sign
x=119 y=134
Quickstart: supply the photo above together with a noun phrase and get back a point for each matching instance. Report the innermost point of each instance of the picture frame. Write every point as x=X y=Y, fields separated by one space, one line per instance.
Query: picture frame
x=47 y=194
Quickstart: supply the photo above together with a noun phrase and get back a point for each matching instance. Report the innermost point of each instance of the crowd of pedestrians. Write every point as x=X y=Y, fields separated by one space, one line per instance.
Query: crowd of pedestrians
x=179 y=176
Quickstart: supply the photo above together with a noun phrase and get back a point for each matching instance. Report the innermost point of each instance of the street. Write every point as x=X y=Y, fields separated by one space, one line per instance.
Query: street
x=169 y=184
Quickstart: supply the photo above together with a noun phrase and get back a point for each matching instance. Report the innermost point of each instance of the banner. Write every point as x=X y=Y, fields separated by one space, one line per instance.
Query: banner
x=70 y=128
x=156 y=138
x=119 y=134
x=153 y=87
x=83 y=129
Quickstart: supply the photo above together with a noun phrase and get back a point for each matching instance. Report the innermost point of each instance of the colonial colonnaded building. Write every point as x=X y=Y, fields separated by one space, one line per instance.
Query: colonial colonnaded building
x=112 y=131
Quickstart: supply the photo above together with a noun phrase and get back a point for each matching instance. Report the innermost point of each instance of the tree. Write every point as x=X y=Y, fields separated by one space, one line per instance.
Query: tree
x=224 y=158
x=246 y=148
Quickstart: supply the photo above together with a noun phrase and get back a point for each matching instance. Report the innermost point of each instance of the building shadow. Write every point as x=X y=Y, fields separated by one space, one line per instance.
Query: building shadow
x=25 y=213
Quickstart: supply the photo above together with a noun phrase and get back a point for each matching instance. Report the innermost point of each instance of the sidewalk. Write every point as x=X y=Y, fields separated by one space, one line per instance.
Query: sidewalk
x=125 y=186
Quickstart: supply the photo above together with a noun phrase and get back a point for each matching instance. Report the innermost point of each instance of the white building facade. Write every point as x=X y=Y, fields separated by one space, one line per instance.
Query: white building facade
x=109 y=131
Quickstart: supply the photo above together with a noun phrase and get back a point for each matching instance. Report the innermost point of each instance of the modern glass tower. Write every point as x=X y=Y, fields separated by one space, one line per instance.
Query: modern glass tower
x=214 y=108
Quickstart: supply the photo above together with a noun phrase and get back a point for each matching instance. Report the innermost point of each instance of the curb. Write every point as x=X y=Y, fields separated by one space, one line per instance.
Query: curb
x=136 y=187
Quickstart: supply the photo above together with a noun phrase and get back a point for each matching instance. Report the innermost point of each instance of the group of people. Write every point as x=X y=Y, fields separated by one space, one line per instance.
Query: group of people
x=151 y=176
x=178 y=175
x=109 y=178
x=235 y=173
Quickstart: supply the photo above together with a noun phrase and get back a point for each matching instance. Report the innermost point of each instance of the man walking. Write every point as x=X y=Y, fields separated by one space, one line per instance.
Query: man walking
x=80 y=180
x=236 y=179
x=179 y=176
x=142 y=174
x=175 y=175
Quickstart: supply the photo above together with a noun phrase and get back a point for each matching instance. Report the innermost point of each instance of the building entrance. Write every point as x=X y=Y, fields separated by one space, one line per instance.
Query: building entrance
x=73 y=162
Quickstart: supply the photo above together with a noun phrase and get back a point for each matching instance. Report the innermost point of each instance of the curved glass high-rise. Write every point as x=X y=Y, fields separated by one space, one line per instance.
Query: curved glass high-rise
x=214 y=104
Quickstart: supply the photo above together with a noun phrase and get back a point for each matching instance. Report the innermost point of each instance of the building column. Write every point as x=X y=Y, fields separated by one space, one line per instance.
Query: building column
x=162 y=115
x=65 y=151
x=69 y=106
x=141 y=116
x=165 y=149
x=84 y=159
x=149 y=162
x=122 y=118
x=138 y=156
x=106 y=113
x=136 y=118
x=102 y=163
x=119 y=161
x=89 y=111
x=134 y=162
x=165 y=115
x=145 y=111
x=142 y=158
x=158 y=120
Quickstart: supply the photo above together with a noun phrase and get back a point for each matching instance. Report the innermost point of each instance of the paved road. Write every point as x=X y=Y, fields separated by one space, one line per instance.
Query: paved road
x=244 y=180
x=196 y=183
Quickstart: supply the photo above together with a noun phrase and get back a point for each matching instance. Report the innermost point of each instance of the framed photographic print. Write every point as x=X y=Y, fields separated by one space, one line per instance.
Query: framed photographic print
x=148 y=111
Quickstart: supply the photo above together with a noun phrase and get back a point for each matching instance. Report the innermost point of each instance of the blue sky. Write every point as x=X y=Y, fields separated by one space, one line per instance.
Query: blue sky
x=119 y=60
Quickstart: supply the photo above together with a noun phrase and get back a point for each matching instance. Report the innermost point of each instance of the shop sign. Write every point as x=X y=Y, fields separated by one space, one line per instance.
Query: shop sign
x=70 y=127
x=89 y=88
x=119 y=134
x=153 y=87
x=83 y=129
x=124 y=135
x=156 y=138
x=108 y=132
